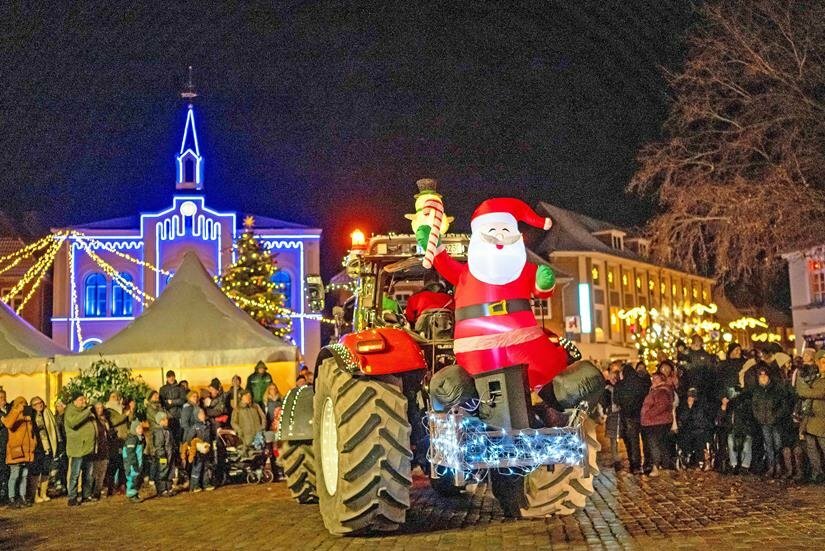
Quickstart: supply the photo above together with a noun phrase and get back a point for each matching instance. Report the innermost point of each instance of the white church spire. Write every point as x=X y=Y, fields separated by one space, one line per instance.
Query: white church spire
x=189 y=163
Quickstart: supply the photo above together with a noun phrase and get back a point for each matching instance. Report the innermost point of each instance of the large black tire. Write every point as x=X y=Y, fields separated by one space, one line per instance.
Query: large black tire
x=557 y=490
x=298 y=461
x=364 y=484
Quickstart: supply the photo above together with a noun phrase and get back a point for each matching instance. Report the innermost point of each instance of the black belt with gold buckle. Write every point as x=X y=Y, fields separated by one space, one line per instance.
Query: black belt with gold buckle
x=500 y=308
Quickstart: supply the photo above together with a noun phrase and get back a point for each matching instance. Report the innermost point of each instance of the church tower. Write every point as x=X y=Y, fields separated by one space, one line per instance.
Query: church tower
x=189 y=163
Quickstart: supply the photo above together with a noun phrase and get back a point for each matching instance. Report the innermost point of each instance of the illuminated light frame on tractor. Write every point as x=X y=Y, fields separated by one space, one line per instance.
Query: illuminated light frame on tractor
x=462 y=443
x=584 y=308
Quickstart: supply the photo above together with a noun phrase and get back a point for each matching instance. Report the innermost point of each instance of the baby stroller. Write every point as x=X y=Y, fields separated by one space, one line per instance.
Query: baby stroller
x=251 y=463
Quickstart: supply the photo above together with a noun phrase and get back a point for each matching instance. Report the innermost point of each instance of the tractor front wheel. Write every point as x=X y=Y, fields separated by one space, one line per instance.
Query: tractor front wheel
x=556 y=490
x=362 y=446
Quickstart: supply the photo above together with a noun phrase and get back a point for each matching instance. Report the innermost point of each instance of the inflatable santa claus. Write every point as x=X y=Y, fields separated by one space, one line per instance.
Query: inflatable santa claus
x=495 y=326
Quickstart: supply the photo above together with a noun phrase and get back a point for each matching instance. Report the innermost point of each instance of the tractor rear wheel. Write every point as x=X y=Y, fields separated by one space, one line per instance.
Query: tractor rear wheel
x=557 y=490
x=362 y=443
x=298 y=461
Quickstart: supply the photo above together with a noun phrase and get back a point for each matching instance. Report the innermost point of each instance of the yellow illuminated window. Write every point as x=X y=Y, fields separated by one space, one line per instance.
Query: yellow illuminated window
x=624 y=280
x=662 y=288
x=704 y=295
x=594 y=273
x=638 y=282
x=651 y=284
x=610 y=277
x=673 y=289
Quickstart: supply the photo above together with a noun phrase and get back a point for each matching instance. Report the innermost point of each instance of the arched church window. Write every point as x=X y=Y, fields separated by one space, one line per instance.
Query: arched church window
x=189 y=169
x=94 y=297
x=283 y=283
x=121 y=299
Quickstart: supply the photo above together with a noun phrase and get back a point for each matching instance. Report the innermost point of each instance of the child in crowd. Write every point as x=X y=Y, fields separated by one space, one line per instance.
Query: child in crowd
x=133 y=460
x=199 y=438
x=164 y=450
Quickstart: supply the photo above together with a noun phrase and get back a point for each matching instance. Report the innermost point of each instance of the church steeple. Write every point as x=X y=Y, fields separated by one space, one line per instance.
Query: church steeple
x=189 y=162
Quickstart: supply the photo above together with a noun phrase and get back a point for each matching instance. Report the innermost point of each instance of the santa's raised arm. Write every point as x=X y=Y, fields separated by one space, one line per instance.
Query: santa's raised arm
x=495 y=325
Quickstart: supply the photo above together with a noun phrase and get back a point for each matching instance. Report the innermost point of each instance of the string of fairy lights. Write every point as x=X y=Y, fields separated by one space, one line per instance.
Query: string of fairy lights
x=43 y=252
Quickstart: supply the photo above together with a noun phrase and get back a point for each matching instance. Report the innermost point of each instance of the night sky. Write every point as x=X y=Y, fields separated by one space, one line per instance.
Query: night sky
x=327 y=113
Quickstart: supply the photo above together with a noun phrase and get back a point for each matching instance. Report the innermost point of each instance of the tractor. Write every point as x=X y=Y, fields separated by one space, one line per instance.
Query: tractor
x=387 y=397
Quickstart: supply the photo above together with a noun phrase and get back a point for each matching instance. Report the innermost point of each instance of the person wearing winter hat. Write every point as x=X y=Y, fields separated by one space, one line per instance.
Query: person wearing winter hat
x=495 y=325
x=19 y=450
x=163 y=447
x=81 y=441
x=199 y=438
x=814 y=389
x=132 y=452
x=257 y=382
x=48 y=442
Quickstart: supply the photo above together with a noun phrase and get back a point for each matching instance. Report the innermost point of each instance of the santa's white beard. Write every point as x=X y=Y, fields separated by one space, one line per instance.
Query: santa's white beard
x=490 y=264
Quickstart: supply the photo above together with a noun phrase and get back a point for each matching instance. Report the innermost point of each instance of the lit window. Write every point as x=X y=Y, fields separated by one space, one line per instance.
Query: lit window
x=121 y=299
x=651 y=285
x=695 y=292
x=662 y=288
x=638 y=282
x=610 y=278
x=817 y=270
x=684 y=291
x=705 y=295
x=673 y=290
x=94 y=296
x=283 y=284
x=624 y=280
x=594 y=273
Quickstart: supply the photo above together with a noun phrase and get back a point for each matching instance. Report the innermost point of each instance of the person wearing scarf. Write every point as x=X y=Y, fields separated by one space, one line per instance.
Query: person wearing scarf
x=48 y=444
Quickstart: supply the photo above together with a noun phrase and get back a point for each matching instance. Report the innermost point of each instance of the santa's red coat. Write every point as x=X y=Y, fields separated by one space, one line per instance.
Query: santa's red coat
x=492 y=342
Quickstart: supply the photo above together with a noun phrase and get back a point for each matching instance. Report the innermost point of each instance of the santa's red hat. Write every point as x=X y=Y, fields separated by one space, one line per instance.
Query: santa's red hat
x=507 y=210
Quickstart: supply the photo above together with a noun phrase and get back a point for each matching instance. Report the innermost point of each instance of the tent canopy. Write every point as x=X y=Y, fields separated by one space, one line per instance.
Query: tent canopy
x=23 y=349
x=192 y=324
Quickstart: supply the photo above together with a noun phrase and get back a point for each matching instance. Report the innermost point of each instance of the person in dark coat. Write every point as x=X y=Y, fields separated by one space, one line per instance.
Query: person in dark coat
x=769 y=403
x=199 y=437
x=657 y=419
x=5 y=408
x=163 y=447
x=629 y=394
x=694 y=430
x=735 y=418
x=813 y=389
x=612 y=411
x=172 y=398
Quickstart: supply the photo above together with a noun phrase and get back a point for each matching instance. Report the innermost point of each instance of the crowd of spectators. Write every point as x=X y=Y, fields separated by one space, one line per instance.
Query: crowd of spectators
x=88 y=451
x=758 y=411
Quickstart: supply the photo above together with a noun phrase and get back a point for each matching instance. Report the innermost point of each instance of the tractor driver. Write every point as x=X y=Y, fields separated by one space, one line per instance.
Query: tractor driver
x=432 y=297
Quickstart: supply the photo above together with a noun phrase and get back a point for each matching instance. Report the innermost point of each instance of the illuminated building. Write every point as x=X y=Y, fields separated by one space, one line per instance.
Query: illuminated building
x=91 y=304
x=806 y=270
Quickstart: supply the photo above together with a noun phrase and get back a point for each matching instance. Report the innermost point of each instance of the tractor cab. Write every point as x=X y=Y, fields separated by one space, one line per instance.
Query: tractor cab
x=387 y=275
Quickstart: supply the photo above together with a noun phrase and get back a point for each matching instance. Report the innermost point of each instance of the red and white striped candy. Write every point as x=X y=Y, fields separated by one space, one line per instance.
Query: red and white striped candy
x=435 y=232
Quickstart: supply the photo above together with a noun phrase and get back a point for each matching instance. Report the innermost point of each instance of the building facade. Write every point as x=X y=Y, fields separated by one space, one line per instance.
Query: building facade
x=608 y=271
x=36 y=309
x=806 y=270
x=110 y=270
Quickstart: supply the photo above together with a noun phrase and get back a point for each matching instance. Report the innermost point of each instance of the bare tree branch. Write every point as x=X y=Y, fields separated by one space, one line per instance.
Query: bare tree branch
x=739 y=177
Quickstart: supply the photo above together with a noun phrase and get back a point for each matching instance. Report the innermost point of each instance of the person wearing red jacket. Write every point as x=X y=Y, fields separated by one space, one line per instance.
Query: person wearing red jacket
x=431 y=297
x=657 y=419
x=495 y=325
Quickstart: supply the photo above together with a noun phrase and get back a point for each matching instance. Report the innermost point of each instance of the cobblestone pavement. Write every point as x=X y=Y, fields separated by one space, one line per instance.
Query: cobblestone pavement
x=680 y=510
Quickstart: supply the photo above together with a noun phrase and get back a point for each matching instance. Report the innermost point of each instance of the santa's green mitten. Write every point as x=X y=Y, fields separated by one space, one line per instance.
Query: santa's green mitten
x=545 y=278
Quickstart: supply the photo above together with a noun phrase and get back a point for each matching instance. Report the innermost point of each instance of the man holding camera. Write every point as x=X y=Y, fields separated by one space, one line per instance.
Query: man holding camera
x=81 y=440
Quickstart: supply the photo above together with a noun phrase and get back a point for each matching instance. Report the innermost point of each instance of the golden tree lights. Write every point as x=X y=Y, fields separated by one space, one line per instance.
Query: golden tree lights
x=249 y=283
x=656 y=332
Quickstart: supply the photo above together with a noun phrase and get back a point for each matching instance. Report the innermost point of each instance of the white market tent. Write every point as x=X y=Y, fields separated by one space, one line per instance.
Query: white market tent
x=25 y=354
x=194 y=329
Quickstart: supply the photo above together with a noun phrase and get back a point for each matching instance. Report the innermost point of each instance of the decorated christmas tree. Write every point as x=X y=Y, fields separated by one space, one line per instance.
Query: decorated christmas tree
x=100 y=379
x=249 y=283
